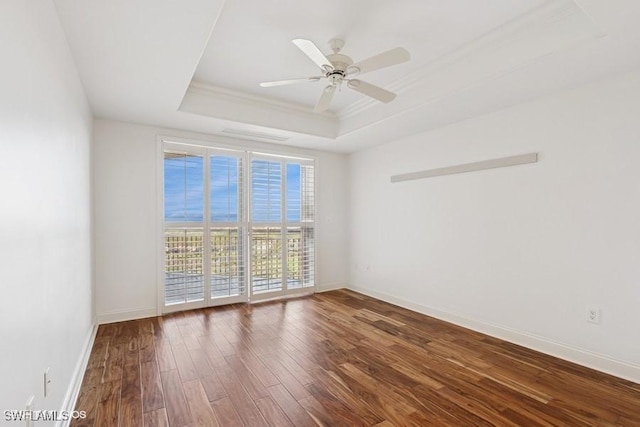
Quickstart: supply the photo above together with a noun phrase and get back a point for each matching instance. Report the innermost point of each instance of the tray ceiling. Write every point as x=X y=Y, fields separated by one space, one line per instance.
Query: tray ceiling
x=251 y=42
x=197 y=64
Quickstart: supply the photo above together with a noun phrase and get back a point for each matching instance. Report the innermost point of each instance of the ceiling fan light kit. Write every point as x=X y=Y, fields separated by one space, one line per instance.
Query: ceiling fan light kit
x=338 y=68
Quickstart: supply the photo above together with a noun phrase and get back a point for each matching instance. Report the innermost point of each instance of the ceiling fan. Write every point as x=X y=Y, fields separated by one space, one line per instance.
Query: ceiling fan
x=338 y=68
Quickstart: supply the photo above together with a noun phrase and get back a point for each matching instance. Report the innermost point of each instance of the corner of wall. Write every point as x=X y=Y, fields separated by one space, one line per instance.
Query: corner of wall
x=73 y=390
x=327 y=287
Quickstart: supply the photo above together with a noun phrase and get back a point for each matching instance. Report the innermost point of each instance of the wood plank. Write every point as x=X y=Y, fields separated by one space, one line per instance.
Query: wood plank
x=146 y=347
x=164 y=353
x=200 y=361
x=131 y=353
x=113 y=363
x=88 y=402
x=295 y=412
x=212 y=352
x=152 y=396
x=296 y=370
x=92 y=378
x=108 y=412
x=105 y=331
x=251 y=383
x=110 y=390
x=319 y=413
x=383 y=401
x=242 y=402
x=218 y=338
x=226 y=413
x=178 y=413
x=98 y=353
x=131 y=398
x=201 y=412
x=213 y=387
x=255 y=365
x=157 y=418
x=286 y=378
x=341 y=408
x=272 y=412
x=184 y=363
x=191 y=342
x=157 y=324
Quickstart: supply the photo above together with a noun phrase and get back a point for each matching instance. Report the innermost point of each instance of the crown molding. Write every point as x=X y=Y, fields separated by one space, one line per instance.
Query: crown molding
x=240 y=107
x=263 y=101
x=523 y=30
x=248 y=134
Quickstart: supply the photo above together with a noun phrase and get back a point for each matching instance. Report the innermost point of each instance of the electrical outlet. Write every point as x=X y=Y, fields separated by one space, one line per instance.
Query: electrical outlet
x=593 y=314
x=47 y=382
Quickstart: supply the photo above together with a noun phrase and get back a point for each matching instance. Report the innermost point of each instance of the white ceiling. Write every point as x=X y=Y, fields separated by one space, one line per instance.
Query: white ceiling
x=196 y=64
x=251 y=42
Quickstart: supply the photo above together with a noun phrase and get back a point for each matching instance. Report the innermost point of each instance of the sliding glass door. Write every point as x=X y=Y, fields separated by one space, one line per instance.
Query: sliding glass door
x=184 y=228
x=227 y=228
x=282 y=226
x=216 y=251
x=204 y=227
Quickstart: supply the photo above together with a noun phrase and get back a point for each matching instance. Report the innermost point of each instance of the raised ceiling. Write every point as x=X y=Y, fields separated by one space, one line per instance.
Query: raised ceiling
x=197 y=64
x=252 y=40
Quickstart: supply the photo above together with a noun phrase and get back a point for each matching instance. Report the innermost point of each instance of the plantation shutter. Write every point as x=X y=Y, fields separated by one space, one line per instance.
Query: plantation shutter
x=184 y=232
x=227 y=230
x=266 y=231
x=282 y=225
x=266 y=186
x=300 y=204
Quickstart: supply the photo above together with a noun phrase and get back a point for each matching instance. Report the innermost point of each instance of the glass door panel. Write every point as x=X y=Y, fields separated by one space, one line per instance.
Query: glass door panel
x=266 y=260
x=184 y=266
x=227 y=262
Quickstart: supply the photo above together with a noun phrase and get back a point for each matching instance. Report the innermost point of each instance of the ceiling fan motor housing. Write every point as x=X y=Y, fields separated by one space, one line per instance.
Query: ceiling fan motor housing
x=339 y=63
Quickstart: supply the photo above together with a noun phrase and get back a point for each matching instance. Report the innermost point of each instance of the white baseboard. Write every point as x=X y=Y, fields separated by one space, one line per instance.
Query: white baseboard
x=124 y=315
x=73 y=390
x=330 y=287
x=599 y=362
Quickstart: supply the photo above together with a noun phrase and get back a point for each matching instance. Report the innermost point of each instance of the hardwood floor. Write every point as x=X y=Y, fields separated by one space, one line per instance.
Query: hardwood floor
x=334 y=359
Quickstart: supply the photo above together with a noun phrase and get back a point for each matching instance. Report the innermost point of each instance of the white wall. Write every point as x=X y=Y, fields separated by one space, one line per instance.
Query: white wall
x=45 y=229
x=126 y=216
x=518 y=252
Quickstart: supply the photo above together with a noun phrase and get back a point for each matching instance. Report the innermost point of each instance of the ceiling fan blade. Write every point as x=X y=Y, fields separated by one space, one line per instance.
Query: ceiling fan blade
x=325 y=99
x=290 y=81
x=373 y=91
x=382 y=60
x=312 y=51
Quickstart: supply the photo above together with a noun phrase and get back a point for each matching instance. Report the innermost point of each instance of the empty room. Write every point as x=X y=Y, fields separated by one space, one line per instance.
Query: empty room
x=338 y=213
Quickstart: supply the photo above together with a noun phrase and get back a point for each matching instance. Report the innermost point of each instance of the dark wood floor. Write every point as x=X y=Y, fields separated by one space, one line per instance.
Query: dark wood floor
x=334 y=359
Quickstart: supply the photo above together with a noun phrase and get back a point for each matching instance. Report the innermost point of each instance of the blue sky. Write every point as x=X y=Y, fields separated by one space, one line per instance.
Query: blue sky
x=183 y=189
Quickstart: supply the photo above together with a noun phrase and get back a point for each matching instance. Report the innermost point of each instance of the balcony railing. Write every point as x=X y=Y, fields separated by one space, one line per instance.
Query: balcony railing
x=184 y=261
